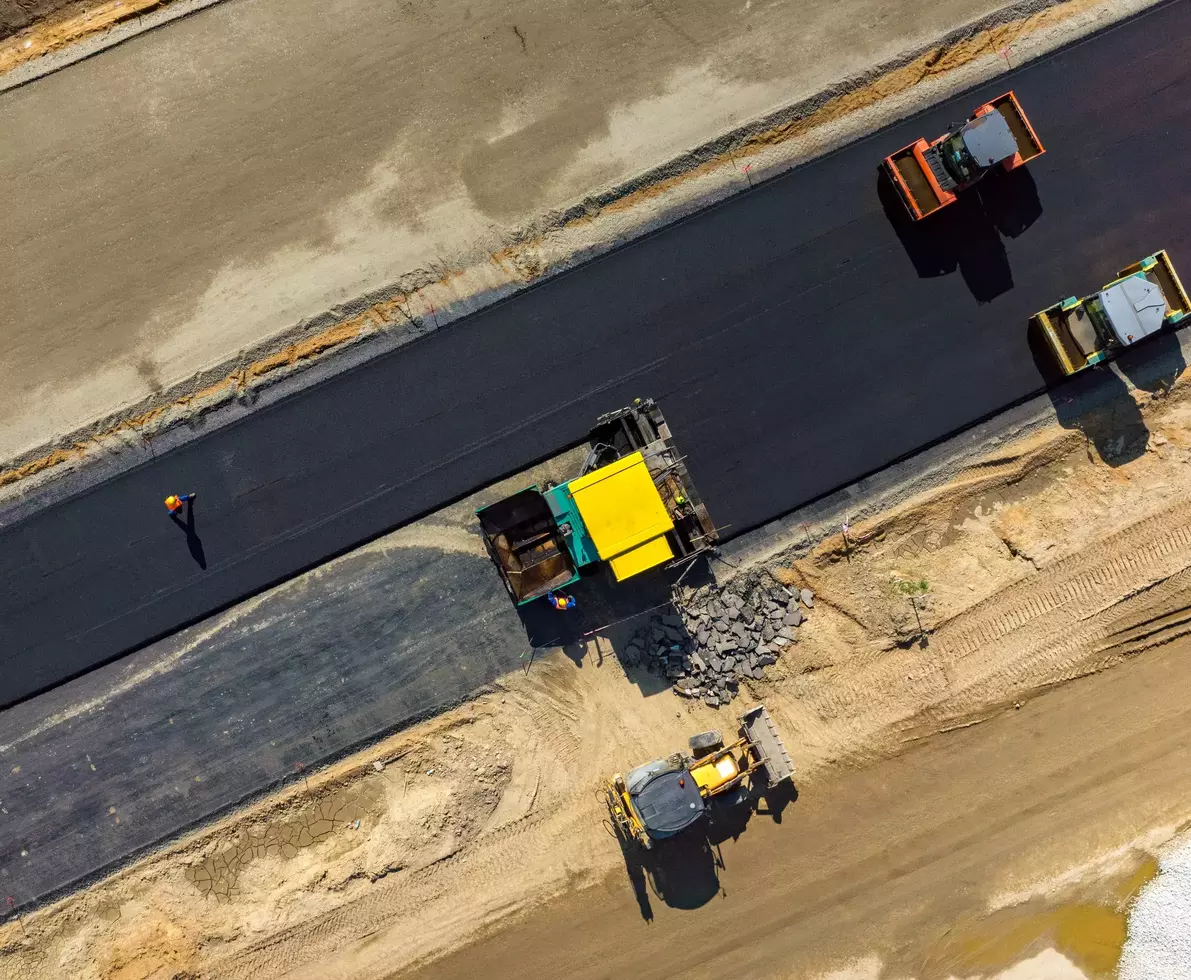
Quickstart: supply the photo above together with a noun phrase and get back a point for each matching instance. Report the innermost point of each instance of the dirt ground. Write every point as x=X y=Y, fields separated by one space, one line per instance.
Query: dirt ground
x=221 y=199
x=16 y=15
x=942 y=791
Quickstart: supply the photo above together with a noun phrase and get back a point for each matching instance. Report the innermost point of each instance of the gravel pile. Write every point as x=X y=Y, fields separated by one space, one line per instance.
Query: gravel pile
x=718 y=636
x=1159 y=942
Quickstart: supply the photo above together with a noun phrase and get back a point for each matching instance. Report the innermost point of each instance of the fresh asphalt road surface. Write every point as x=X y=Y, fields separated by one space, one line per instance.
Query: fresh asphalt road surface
x=196 y=723
x=795 y=339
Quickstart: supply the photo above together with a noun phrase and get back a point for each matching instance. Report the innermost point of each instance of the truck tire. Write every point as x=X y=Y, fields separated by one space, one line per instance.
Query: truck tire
x=705 y=743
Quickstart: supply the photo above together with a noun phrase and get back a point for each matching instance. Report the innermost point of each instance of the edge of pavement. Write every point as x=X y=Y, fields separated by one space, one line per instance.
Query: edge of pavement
x=425 y=300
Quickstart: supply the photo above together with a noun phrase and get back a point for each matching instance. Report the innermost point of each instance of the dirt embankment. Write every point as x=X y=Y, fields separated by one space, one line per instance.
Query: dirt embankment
x=16 y=15
x=35 y=28
x=1042 y=565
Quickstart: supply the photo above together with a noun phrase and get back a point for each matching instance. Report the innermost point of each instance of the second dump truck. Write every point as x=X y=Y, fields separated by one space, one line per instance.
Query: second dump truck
x=929 y=175
x=633 y=507
x=1144 y=298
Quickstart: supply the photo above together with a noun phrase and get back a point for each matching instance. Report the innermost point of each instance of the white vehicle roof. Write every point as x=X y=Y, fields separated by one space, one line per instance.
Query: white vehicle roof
x=989 y=139
x=1135 y=308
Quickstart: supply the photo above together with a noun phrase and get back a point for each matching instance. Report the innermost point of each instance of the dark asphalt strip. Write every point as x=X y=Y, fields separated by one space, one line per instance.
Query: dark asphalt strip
x=795 y=339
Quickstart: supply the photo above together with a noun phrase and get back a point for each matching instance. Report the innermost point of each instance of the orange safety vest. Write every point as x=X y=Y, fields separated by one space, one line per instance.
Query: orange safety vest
x=173 y=503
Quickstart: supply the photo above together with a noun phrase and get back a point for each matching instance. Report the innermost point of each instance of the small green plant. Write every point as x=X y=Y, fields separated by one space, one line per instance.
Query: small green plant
x=912 y=588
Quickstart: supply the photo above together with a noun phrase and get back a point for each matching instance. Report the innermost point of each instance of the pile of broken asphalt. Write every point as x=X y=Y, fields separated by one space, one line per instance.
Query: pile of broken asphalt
x=719 y=636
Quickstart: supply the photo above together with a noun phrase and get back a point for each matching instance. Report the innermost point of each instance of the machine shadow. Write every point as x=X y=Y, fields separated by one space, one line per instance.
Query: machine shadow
x=967 y=235
x=1155 y=364
x=1096 y=402
x=684 y=872
x=613 y=613
x=1010 y=201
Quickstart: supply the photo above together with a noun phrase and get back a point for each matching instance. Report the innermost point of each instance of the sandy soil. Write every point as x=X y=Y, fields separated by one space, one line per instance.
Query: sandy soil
x=179 y=242
x=1045 y=564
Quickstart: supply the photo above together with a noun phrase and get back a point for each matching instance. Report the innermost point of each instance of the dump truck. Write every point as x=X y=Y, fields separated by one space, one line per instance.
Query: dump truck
x=1144 y=298
x=663 y=798
x=929 y=176
x=633 y=507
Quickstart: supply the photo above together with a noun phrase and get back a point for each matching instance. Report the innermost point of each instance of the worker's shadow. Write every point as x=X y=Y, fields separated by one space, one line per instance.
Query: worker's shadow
x=968 y=234
x=193 y=542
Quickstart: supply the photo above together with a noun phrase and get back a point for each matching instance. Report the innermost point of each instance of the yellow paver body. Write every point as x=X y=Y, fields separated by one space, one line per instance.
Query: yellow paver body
x=624 y=515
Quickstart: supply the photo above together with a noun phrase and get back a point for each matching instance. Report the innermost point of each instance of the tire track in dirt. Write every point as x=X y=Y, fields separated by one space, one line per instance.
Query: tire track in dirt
x=555 y=718
x=1052 y=624
x=1079 y=615
x=1082 y=577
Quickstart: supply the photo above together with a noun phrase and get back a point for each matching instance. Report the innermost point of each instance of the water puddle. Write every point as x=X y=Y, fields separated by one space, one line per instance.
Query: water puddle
x=1089 y=930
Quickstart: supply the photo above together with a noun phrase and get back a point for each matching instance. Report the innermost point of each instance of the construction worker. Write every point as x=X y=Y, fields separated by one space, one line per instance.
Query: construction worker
x=174 y=502
x=561 y=602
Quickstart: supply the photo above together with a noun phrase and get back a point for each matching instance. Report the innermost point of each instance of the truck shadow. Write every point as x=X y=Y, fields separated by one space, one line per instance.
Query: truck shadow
x=1097 y=403
x=684 y=871
x=1010 y=201
x=967 y=235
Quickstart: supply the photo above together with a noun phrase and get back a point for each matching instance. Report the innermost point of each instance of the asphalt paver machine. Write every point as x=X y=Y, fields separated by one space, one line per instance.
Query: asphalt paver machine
x=633 y=507
x=663 y=798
